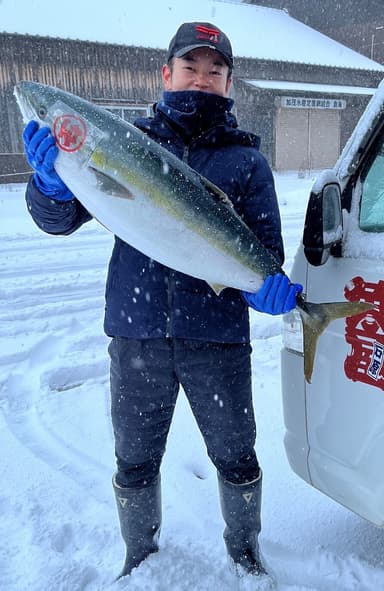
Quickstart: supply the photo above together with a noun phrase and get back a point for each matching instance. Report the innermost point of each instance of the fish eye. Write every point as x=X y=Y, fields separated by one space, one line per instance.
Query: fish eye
x=42 y=112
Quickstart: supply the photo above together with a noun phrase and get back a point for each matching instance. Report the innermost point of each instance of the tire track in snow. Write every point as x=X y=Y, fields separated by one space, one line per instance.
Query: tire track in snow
x=28 y=416
x=59 y=294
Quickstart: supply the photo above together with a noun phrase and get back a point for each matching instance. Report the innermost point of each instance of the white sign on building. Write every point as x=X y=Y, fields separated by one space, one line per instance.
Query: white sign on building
x=292 y=102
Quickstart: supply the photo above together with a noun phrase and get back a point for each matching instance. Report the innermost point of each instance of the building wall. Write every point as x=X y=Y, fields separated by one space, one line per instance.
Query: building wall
x=257 y=110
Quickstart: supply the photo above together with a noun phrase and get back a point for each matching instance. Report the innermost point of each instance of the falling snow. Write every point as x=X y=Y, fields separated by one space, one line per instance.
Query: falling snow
x=59 y=527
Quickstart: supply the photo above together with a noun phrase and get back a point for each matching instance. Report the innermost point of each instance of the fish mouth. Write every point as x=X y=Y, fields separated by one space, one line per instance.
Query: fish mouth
x=25 y=105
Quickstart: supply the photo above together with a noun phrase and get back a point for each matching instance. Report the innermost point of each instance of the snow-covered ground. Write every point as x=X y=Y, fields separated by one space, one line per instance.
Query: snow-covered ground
x=58 y=522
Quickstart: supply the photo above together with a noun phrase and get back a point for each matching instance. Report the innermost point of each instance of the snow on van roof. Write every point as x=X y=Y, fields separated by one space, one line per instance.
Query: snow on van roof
x=255 y=31
x=360 y=135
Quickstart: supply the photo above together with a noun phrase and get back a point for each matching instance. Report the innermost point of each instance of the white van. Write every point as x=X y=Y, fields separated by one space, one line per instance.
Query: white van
x=335 y=424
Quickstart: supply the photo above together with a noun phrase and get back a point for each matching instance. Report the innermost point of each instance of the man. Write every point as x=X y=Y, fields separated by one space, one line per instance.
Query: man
x=169 y=329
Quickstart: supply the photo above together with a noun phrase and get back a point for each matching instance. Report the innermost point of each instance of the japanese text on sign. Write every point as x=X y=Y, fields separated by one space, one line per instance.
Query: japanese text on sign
x=377 y=359
x=292 y=102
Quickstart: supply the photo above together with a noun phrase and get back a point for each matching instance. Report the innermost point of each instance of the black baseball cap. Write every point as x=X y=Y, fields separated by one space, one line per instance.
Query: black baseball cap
x=192 y=35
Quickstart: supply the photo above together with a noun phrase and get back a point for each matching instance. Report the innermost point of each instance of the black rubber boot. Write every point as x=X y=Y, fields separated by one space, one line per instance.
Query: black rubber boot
x=240 y=506
x=139 y=512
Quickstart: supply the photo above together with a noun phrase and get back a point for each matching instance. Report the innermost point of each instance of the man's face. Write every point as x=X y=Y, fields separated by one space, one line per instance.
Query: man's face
x=201 y=69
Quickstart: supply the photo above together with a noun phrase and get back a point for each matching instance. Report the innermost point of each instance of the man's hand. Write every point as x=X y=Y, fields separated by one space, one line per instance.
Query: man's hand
x=277 y=295
x=41 y=152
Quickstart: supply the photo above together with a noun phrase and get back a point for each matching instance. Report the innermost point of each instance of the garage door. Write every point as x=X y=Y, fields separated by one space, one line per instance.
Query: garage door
x=307 y=139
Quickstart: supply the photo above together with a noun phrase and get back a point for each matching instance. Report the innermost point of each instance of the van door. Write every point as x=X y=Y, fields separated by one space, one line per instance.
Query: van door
x=345 y=400
x=335 y=425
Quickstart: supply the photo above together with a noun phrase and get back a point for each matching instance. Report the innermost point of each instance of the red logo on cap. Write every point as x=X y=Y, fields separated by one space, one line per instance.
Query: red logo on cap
x=70 y=132
x=207 y=33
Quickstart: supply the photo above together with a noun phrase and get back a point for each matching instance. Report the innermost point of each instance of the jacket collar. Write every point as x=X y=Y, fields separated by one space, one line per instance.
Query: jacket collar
x=195 y=112
x=196 y=116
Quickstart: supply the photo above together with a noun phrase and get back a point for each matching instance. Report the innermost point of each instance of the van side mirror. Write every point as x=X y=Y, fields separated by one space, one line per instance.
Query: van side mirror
x=323 y=228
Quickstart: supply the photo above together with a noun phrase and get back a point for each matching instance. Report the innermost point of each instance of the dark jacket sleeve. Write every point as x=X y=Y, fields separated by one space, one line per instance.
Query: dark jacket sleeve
x=261 y=210
x=54 y=217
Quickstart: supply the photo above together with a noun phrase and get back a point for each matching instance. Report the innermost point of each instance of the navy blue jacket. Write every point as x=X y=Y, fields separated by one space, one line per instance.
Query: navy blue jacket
x=145 y=299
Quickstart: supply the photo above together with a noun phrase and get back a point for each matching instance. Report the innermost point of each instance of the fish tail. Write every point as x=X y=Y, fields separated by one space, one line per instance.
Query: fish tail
x=315 y=319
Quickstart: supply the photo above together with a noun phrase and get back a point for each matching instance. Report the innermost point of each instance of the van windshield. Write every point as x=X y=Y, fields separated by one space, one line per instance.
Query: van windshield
x=372 y=198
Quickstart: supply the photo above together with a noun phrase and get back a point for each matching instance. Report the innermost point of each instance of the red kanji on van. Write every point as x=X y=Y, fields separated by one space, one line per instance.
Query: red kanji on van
x=365 y=334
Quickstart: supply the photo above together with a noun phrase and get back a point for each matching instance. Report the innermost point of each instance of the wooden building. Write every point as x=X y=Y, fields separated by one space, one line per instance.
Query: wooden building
x=304 y=113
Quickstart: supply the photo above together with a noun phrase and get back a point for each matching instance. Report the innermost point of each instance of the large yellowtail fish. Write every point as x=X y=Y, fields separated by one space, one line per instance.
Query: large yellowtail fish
x=158 y=204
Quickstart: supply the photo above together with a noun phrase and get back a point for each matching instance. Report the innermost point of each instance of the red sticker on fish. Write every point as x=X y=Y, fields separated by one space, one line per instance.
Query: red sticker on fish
x=70 y=132
x=365 y=334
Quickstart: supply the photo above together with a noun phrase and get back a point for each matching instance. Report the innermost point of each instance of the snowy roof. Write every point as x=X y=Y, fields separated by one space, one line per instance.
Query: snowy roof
x=309 y=87
x=255 y=31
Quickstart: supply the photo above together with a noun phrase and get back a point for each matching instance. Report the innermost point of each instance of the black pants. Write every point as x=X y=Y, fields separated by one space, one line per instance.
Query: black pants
x=145 y=379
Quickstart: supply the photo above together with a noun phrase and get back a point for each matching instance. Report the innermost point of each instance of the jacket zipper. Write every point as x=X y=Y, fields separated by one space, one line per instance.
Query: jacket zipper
x=168 y=329
x=171 y=278
x=186 y=153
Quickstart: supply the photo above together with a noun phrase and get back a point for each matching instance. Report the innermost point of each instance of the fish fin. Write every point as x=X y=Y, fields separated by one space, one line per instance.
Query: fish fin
x=105 y=181
x=215 y=191
x=110 y=186
x=315 y=319
x=217 y=288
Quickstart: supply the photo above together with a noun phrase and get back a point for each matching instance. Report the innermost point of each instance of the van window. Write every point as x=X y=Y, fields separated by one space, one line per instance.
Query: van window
x=372 y=198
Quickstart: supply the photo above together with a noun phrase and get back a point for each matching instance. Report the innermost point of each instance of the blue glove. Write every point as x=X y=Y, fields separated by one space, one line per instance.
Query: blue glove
x=41 y=152
x=277 y=295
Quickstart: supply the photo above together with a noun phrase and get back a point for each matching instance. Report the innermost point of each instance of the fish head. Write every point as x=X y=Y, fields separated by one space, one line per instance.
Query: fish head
x=76 y=124
x=36 y=100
